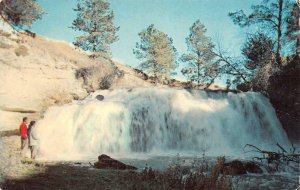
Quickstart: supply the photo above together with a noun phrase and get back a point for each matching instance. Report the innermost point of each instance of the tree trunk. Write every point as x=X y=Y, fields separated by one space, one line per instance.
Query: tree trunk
x=94 y=41
x=154 y=65
x=298 y=47
x=198 y=68
x=154 y=71
x=279 y=32
x=298 y=35
x=198 y=73
x=94 y=36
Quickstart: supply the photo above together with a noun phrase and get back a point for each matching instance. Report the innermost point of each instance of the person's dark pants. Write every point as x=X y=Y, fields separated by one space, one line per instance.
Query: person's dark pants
x=24 y=145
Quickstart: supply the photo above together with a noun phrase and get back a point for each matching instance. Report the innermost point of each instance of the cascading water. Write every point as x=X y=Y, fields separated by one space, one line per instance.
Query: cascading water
x=159 y=121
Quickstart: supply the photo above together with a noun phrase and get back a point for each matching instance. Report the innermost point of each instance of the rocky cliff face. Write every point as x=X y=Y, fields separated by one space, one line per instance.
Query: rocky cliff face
x=36 y=73
x=284 y=93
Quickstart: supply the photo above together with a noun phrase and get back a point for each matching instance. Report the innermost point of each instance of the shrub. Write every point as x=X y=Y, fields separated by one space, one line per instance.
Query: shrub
x=108 y=79
x=199 y=176
x=261 y=80
x=84 y=73
x=98 y=76
x=21 y=51
x=106 y=82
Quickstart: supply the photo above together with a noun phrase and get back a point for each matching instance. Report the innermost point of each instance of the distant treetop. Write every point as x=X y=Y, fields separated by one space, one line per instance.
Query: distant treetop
x=20 y=13
x=94 y=21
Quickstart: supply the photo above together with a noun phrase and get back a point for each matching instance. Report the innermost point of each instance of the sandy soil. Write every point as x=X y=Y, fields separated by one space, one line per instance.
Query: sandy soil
x=22 y=173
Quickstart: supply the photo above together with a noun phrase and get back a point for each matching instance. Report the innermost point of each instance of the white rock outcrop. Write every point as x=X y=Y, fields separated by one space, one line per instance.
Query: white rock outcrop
x=35 y=73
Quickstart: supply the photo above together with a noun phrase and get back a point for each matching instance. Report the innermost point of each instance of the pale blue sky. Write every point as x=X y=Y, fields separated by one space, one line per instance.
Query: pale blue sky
x=173 y=17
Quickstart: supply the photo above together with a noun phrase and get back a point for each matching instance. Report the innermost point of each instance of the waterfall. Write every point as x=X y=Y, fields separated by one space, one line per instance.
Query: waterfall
x=159 y=121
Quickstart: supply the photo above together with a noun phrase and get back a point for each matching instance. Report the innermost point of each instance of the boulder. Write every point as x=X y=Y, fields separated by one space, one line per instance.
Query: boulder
x=237 y=167
x=234 y=167
x=252 y=167
x=100 y=97
x=106 y=162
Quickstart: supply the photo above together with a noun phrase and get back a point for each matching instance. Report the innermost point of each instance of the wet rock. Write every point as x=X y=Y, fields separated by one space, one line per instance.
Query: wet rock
x=237 y=167
x=252 y=167
x=100 y=97
x=106 y=162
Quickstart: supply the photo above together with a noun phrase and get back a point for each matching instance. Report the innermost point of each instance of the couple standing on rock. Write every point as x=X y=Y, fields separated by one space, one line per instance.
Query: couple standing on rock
x=28 y=137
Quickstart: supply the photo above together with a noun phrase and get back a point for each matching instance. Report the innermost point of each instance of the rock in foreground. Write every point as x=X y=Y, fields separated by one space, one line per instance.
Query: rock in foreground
x=106 y=162
x=237 y=167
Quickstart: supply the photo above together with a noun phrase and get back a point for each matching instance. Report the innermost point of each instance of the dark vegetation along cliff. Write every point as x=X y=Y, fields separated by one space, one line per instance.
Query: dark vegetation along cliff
x=284 y=94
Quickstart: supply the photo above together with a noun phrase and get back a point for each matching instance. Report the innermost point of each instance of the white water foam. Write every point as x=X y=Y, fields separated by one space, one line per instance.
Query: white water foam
x=159 y=121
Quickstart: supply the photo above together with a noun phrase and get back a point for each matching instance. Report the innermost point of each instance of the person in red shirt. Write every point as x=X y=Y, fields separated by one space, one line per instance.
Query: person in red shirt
x=24 y=137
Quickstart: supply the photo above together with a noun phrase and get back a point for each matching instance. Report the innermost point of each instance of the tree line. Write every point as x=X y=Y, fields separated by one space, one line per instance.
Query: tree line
x=274 y=40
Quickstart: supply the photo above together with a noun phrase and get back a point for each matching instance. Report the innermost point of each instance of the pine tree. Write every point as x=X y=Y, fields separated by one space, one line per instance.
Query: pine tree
x=157 y=52
x=95 y=22
x=20 y=13
x=269 y=15
x=200 y=59
x=258 y=51
x=293 y=26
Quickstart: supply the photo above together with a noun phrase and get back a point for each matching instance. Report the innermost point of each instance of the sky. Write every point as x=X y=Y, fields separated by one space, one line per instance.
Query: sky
x=173 y=17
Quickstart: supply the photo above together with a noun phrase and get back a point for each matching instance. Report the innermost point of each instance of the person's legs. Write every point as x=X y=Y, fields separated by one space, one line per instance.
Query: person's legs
x=23 y=147
x=33 y=151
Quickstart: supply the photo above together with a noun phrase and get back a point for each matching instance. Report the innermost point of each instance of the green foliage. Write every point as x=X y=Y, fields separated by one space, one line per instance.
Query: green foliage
x=246 y=86
x=258 y=51
x=269 y=16
x=156 y=51
x=274 y=18
x=264 y=14
x=95 y=22
x=292 y=19
x=20 y=13
x=200 y=60
x=259 y=54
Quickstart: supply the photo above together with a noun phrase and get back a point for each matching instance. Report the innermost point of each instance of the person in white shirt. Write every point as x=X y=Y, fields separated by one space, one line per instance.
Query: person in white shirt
x=33 y=139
